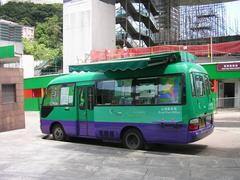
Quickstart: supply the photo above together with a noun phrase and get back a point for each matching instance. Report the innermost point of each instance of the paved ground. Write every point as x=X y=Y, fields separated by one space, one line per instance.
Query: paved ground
x=25 y=154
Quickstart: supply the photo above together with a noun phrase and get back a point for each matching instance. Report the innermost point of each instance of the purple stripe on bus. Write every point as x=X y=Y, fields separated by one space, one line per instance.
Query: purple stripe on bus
x=153 y=133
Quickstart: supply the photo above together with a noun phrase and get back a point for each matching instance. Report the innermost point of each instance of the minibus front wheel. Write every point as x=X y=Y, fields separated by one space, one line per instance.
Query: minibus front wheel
x=58 y=132
x=133 y=139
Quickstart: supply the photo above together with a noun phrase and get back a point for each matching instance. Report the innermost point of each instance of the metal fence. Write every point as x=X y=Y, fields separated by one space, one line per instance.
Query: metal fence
x=228 y=102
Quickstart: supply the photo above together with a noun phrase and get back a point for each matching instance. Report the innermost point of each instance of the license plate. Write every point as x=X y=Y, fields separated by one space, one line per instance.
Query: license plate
x=201 y=123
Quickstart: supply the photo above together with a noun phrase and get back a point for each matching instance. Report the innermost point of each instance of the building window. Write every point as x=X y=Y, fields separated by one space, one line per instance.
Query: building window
x=8 y=93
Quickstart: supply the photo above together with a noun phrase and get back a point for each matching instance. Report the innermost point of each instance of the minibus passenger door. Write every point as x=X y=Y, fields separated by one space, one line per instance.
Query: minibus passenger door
x=85 y=110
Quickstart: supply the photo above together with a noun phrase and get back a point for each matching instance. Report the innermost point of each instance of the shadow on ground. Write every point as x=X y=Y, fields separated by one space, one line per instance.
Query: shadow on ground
x=95 y=146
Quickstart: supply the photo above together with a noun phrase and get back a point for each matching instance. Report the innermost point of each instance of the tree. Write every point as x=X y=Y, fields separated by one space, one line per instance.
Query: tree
x=30 y=14
x=47 y=20
x=40 y=51
x=49 y=32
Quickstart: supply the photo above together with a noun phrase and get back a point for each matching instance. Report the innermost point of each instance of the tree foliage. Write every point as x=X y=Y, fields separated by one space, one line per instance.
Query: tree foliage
x=49 y=32
x=40 y=51
x=30 y=14
x=48 y=22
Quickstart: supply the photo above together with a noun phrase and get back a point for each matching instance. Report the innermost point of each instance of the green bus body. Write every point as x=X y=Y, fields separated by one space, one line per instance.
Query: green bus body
x=185 y=121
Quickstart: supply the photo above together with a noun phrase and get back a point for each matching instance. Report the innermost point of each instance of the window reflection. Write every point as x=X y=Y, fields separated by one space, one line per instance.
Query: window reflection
x=142 y=91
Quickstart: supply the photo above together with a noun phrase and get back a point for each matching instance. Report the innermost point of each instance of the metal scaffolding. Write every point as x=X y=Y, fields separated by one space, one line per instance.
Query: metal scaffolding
x=202 y=21
x=135 y=23
x=168 y=20
x=173 y=22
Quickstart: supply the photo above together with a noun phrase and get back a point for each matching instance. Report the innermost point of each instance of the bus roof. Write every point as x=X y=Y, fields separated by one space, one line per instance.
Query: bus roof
x=133 y=63
x=174 y=68
x=77 y=77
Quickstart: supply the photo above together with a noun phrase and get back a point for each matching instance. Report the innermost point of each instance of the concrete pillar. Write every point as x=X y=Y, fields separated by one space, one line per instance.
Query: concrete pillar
x=87 y=25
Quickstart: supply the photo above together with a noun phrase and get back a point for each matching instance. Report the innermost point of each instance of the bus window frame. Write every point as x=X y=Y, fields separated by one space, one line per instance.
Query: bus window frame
x=208 y=89
x=90 y=105
x=193 y=85
x=81 y=106
x=74 y=95
x=134 y=80
x=203 y=76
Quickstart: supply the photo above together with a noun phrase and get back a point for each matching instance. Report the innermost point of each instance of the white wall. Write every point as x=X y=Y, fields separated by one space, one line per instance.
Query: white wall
x=27 y=63
x=87 y=25
x=103 y=24
x=76 y=32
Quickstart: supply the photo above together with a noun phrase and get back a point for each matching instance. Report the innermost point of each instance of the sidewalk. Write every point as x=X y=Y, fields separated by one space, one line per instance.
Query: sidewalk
x=227 y=118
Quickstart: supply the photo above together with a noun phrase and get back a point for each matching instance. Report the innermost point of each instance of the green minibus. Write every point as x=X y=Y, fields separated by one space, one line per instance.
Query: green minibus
x=160 y=98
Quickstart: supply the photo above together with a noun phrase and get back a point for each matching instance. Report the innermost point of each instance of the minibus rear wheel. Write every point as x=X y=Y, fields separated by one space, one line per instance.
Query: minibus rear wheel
x=58 y=133
x=133 y=139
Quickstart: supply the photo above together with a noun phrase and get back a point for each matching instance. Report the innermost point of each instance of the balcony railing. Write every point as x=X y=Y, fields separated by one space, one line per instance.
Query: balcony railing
x=120 y=12
x=122 y=35
x=141 y=9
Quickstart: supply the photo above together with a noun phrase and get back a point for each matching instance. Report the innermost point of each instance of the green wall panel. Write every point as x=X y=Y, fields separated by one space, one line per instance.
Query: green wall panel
x=214 y=74
x=32 y=104
x=39 y=82
x=6 y=52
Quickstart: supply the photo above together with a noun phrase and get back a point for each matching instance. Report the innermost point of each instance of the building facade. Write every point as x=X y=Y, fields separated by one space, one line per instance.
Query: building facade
x=168 y=20
x=226 y=80
x=11 y=92
x=136 y=25
x=88 y=25
x=11 y=34
x=28 y=32
x=10 y=31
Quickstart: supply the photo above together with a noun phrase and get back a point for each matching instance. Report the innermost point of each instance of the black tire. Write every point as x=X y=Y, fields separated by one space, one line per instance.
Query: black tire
x=133 y=139
x=58 y=133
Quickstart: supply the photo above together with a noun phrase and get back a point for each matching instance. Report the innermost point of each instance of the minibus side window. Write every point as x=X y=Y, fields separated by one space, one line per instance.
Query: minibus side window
x=115 y=92
x=59 y=95
x=199 y=85
x=105 y=92
x=146 y=91
x=123 y=92
x=170 y=90
x=207 y=84
x=159 y=91
x=193 y=87
x=142 y=91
